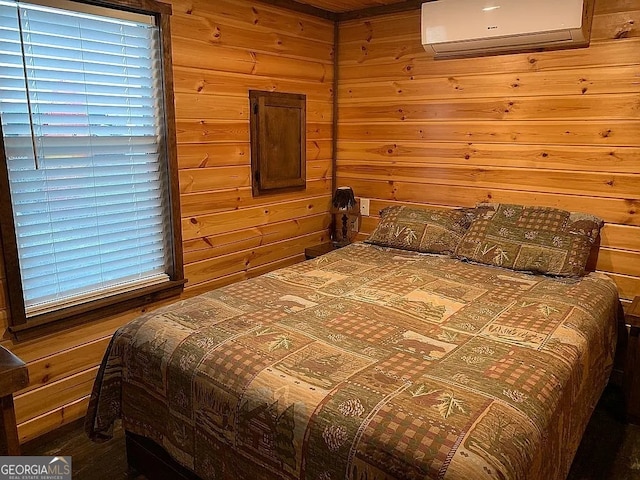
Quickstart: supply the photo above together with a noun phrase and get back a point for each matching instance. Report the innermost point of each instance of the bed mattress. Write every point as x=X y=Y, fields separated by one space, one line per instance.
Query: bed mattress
x=367 y=363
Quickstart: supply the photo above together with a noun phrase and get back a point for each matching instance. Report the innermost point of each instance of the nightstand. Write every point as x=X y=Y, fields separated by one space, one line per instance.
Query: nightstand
x=631 y=380
x=14 y=376
x=317 y=250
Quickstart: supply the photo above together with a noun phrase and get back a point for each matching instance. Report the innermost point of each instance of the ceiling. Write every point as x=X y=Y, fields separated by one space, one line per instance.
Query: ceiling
x=341 y=6
x=347 y=9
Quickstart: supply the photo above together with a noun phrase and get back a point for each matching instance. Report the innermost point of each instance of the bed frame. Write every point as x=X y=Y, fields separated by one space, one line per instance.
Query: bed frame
x=147 y=457
x=630 y=353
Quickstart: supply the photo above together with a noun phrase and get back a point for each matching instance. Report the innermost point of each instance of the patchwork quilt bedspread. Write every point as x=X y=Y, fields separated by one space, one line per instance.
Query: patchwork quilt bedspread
x=367 y=363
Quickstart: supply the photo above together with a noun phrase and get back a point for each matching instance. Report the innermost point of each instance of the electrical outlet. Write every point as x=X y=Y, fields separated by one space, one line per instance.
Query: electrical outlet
x=364 y=206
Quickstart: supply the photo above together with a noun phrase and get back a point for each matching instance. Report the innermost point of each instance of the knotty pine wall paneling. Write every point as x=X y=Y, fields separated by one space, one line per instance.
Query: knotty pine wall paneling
x=558 y=128
x=221 y=50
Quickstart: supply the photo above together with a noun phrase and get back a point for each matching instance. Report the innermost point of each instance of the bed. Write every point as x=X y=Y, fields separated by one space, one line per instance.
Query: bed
x=442 y=359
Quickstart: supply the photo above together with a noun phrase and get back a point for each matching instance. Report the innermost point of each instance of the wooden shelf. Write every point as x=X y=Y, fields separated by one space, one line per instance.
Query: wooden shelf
x=14 y=376
x=317 y=250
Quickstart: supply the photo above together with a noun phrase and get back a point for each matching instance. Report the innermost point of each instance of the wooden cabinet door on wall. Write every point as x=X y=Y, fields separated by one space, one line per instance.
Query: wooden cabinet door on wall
x=278 y=139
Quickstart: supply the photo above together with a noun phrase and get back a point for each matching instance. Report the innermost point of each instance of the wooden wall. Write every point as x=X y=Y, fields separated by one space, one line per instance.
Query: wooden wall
x=221 y=50
x=554 y=128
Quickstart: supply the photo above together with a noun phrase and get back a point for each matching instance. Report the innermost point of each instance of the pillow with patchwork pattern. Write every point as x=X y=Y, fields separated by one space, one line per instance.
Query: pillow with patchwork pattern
x=427 y=230
x=536 y=239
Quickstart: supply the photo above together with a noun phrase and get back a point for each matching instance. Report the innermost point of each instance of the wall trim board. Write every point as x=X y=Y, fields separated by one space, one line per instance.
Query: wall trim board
x=381 y=10
x=350 y=15
x=334 y=139
x=302 y=8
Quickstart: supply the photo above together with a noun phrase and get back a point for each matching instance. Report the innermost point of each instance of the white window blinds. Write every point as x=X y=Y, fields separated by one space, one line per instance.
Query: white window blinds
x=82 y=125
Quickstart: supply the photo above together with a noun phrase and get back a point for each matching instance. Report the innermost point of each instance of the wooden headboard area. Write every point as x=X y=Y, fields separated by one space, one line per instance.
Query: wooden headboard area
x=557 y=128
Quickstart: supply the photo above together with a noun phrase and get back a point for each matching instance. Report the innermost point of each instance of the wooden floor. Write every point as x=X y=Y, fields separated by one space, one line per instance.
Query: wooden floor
x=90 y=461
x=610 y=449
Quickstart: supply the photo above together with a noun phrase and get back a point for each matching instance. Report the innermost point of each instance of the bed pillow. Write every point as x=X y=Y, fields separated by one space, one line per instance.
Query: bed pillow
x=537 y=239
x=426 y=230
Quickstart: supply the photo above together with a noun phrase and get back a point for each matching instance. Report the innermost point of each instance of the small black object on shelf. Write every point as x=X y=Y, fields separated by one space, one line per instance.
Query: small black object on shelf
x=344 y=202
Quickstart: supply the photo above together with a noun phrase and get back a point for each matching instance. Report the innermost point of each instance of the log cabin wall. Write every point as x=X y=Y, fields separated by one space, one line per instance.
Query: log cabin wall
x=221 y=50
x=559 y=128
x=554 y=128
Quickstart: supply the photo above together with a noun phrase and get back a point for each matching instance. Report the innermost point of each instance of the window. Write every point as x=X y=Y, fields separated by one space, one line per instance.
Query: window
x=88 y=182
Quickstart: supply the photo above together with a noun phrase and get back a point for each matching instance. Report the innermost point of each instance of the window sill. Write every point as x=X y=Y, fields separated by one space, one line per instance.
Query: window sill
x=51 y=322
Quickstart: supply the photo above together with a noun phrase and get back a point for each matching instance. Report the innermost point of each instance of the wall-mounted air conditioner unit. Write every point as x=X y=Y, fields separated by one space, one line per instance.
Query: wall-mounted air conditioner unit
x=456 y=28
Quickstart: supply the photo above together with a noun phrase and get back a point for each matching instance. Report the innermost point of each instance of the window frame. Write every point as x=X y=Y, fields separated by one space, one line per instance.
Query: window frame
x=18 y=323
